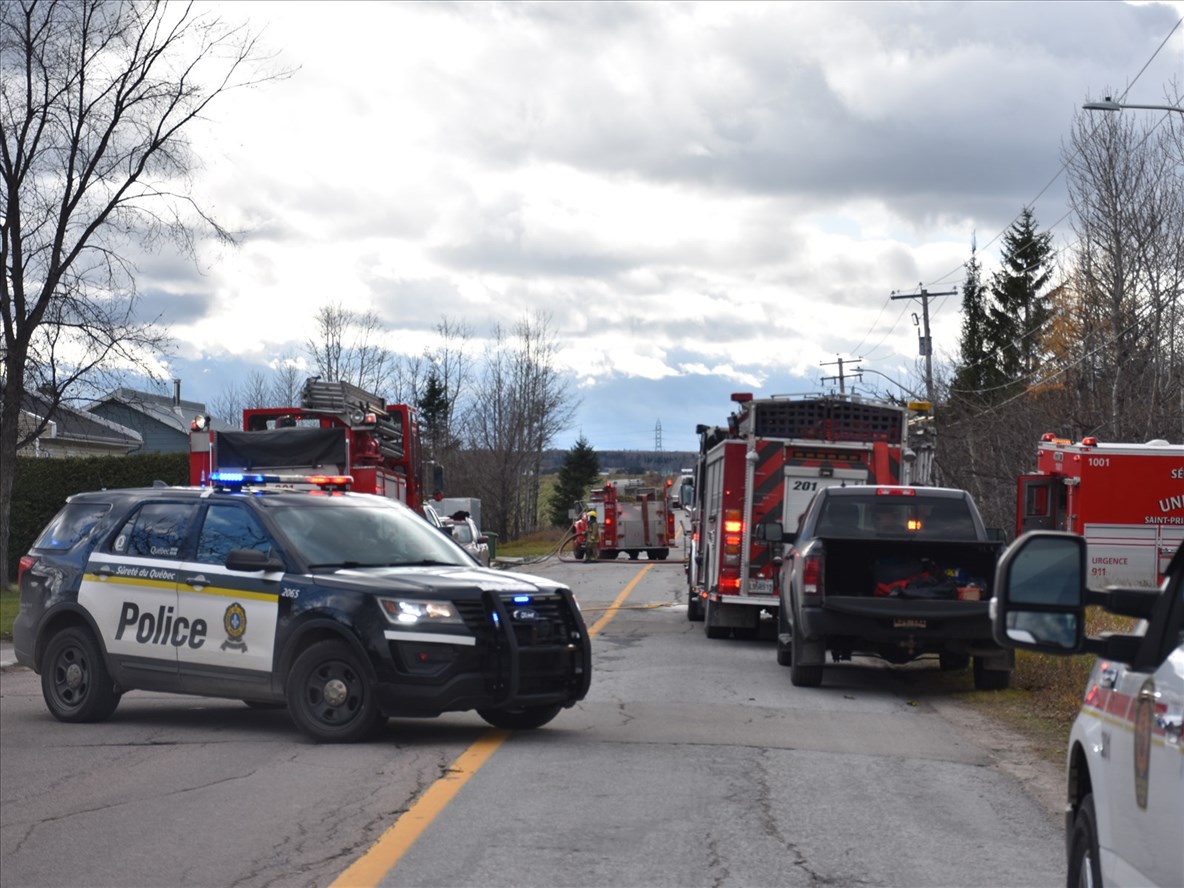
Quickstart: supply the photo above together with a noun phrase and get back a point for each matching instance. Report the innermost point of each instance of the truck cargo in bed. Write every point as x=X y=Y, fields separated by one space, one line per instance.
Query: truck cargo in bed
x=896 y=572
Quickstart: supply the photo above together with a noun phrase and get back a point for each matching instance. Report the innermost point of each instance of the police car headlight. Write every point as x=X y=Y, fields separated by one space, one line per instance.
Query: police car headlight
x=410 y=611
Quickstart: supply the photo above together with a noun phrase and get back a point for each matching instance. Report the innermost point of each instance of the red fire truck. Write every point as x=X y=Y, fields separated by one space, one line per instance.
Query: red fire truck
x=764 y=467
x=337 y=429
x=633 y=520
x=1127 y=500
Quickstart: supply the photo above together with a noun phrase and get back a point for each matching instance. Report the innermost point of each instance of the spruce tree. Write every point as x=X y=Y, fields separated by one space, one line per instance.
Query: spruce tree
x=1019 y=316
x=580 y=471
x=976 y=361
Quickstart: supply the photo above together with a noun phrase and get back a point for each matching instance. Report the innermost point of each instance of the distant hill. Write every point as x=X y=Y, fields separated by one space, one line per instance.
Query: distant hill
x=629 y=462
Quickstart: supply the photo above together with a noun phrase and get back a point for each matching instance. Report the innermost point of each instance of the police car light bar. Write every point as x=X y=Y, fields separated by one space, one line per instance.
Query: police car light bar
x=227 y=480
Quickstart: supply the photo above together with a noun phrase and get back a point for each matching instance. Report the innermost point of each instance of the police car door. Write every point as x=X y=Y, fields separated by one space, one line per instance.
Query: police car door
x=232 y=614
x=1145 y=773
x=130 y=589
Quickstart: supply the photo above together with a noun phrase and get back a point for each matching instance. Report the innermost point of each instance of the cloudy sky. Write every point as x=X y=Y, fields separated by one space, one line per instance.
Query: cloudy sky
x=705 y=198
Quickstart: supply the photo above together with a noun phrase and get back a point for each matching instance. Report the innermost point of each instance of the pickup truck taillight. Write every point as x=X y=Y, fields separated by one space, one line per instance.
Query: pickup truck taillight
x=812 y=576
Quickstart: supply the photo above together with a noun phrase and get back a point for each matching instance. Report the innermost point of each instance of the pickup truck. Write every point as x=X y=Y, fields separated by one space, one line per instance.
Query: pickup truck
x=1124 y=768
x=889 y=571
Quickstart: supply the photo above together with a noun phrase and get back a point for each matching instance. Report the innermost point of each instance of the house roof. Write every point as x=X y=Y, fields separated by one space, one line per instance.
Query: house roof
x=77 y=425
x=175 y=413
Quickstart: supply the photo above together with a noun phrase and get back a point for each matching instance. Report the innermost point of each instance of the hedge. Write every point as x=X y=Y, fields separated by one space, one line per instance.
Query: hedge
x=42 y=485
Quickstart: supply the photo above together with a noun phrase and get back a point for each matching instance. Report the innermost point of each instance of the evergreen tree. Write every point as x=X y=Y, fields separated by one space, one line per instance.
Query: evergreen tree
x=580 y=470
x=434 y=412
x=976 y=365
x=1019 y=316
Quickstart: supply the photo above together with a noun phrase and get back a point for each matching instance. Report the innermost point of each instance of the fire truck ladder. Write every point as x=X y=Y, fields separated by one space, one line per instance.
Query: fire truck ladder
x=351 y=405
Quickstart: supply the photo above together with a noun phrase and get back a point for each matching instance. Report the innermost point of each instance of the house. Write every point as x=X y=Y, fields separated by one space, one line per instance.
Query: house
x=161 y=421
x=72 y=432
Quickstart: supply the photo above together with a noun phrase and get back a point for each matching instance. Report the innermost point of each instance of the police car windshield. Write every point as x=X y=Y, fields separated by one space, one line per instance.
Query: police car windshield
x=342 y=534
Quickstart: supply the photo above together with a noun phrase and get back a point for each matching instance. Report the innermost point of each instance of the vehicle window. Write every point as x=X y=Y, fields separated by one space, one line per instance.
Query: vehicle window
x=229 y=527
x=462 y=533
x=364 y=536
x=71 y=525
x=156 y=530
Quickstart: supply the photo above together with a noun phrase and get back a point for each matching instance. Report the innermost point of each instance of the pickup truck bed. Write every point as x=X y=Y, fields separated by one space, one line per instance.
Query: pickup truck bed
x=899 y=595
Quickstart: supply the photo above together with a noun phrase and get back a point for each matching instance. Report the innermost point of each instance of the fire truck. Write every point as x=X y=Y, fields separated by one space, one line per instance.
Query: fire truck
x=762 y=469
x=633 y=520
x=338 y=429
x=1127 y=500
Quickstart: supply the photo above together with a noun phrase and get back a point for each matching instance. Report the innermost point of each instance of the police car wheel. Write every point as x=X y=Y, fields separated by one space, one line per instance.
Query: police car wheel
x=1085 y=867
x=74 y=679
x=524 y=719
x=329 y=696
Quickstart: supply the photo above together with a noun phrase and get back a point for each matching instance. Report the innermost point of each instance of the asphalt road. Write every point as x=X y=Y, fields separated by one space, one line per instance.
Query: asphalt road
x=692 y=762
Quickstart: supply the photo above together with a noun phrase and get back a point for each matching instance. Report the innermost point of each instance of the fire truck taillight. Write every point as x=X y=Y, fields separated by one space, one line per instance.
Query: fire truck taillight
x=729 y=584
x=733 y=534
x=812 y=576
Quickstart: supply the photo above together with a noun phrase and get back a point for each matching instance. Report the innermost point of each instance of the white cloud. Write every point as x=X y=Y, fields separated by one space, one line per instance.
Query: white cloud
x=729 y=190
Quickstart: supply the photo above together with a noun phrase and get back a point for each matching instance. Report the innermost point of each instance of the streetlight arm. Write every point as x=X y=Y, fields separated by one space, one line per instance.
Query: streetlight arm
x=1110 y=105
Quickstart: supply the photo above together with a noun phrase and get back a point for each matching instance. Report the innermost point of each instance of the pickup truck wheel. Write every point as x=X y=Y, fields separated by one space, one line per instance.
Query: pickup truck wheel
x=783 y=647
x=952 y=662
x=802 y=675
x=1085 y=867
x=990 y=679
x=525 y=719
x=329 y=696
x=74 y=679
x=710 y=630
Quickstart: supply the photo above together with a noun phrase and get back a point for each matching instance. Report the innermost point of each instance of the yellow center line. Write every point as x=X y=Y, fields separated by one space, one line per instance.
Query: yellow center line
x=381 y=857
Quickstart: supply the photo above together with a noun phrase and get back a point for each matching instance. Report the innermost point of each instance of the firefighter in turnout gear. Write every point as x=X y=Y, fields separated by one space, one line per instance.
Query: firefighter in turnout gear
x=592 y=541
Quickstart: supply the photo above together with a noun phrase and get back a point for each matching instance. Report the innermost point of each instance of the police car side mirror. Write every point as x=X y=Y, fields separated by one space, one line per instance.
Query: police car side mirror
x=253 y=560
x=1039 y=597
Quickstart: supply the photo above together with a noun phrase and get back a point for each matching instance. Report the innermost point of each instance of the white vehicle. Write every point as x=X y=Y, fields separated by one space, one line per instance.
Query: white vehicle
x=1124 y=815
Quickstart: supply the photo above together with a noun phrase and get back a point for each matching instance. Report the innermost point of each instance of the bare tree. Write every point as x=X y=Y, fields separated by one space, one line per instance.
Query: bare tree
x=520 y=403
x=95 y=100
x=348 y=347
x=1128 y=199
x=289 y=377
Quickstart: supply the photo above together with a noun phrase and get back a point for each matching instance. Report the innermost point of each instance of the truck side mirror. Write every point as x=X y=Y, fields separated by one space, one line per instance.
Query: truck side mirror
x=769 y=531
x=1039 y=596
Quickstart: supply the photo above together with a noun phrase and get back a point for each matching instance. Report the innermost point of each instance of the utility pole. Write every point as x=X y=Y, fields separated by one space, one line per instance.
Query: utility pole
x=926 y=344
x=841 y=378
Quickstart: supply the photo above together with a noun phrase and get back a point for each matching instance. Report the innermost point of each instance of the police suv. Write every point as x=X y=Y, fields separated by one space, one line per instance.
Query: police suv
x=347 y=608
x=1124 y=817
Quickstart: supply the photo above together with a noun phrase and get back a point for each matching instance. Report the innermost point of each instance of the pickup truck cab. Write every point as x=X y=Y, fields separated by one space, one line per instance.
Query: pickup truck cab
x=894 y=572
x=1124 y=811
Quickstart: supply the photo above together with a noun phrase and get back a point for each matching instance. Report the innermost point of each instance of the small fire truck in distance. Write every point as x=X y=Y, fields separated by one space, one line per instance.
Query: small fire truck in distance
x=765 y=466
x=338 y=429
x=1127 y=500
x=633 y=520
